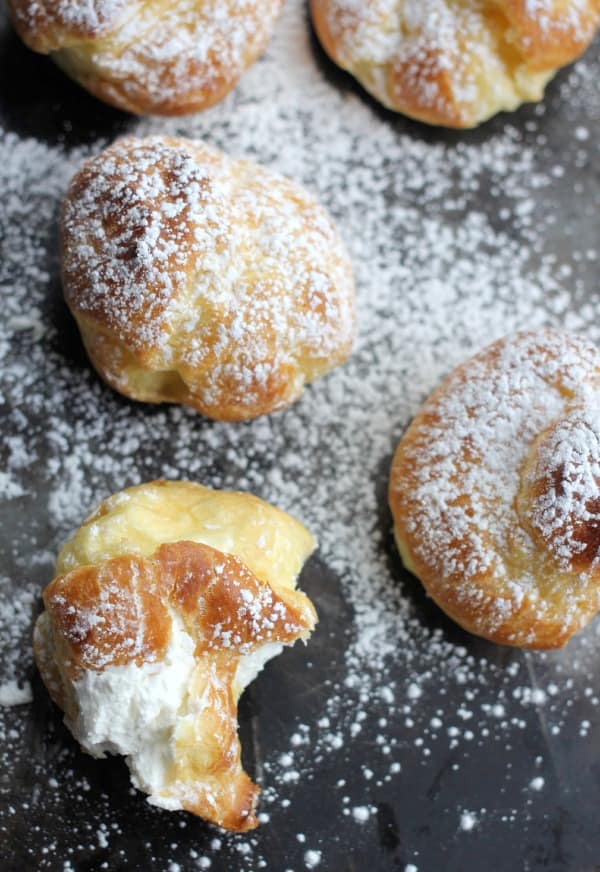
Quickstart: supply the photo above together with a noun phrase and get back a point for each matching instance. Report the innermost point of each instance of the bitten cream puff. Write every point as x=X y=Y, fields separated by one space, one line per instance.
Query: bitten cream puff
x=166 y=603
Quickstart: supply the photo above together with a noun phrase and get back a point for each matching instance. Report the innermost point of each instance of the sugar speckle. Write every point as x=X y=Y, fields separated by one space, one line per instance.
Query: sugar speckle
x=312 y=859
x=468 y=821
x=361 y=814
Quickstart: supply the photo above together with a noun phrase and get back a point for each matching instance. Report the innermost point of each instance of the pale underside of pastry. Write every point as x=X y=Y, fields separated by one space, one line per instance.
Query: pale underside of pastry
x=164 y=57
x=198 y=279
x=167 y=602
x=454 y=63
x=495 y=490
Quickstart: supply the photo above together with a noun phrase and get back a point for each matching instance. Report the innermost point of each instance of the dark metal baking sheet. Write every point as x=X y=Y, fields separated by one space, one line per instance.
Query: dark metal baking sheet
x=466 y=805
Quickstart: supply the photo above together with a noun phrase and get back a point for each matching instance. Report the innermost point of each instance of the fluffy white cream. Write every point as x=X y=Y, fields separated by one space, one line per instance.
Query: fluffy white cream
x=251 y=664
x=131 y=710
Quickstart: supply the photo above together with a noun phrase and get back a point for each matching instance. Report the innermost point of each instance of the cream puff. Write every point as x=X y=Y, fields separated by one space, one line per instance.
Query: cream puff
x=495 y=490
x=203 y=280
x=451 y=63
x=164 y=57
x=166 y=603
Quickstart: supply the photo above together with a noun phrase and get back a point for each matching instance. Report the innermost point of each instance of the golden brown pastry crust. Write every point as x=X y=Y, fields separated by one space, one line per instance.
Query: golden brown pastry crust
x=202 y=280
x=165 y=57
x=495 y=490
x=454 y=62
x=124 y=609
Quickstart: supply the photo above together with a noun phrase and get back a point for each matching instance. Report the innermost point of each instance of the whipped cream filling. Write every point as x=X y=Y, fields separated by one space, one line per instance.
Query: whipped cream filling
x=251 y=664
x=132 y=710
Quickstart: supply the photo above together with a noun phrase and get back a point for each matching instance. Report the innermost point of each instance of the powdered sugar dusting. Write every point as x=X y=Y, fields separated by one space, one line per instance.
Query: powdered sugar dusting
x=151 y=56
x=455 y=243
x=220 y=272
x=457 y=490
x=545 y=13
x=454 y=63
x=49 y=23
x=163 y=51
x=132 y=276
x=566 y=511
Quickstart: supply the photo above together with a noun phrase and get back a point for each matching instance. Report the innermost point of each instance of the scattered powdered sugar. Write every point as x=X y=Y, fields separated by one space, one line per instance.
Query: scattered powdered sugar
x=544 y=14
x=361 y=813
x=12 y=693
x=455 y=242
x=312 y=859
x=468 y=821
x=16 y=613
x=9 y=487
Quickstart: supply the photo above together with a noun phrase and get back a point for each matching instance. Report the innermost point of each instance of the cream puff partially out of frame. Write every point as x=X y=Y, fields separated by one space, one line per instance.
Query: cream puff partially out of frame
x=156 y=57
x=166 y=603
x=495 y=490
x=454 y=63
x=203 y=280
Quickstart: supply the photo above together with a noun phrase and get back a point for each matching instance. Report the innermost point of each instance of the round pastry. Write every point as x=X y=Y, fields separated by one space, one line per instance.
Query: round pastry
x=495 y=490
x=454 y=63
x=167 y=602
x=202 y=280
x=160 y=57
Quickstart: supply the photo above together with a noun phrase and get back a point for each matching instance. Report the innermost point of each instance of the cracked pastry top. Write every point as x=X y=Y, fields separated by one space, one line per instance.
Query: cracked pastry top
x=203 y=280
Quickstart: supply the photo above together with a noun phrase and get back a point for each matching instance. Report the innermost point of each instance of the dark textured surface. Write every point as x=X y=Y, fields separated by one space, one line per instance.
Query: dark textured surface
x=416 y=819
